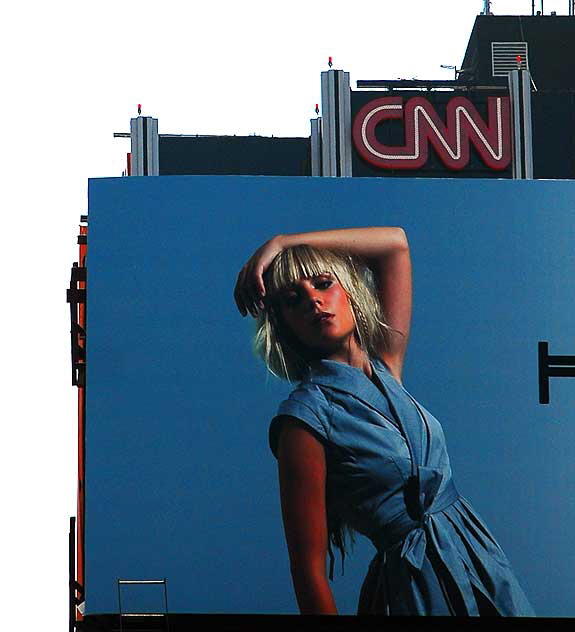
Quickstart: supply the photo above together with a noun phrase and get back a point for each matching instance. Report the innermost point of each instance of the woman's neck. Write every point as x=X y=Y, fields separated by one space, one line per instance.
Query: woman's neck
x=353 y=355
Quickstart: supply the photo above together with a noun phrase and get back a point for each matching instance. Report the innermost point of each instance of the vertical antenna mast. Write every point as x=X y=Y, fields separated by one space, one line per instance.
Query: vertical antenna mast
x=487 y=7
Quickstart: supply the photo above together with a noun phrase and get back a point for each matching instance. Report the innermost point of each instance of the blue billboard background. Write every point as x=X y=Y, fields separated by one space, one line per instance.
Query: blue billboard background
x=180 y=482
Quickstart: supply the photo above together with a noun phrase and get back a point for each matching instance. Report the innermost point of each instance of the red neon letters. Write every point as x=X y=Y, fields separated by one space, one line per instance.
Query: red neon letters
x=423 y=126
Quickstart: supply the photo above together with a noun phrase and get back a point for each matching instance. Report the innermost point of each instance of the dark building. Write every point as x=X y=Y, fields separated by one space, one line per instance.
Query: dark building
x=547 y=44
x=477 y=125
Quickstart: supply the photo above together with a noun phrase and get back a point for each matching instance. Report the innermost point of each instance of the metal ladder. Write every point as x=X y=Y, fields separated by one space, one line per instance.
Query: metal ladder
x=143 y=621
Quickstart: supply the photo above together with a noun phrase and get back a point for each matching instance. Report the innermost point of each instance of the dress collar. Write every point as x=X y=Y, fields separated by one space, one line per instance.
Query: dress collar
x=349 y=379
x=344 y=376
x=400 y=409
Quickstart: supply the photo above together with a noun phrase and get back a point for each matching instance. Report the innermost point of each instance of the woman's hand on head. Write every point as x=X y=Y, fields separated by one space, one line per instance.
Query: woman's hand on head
x=250 y=288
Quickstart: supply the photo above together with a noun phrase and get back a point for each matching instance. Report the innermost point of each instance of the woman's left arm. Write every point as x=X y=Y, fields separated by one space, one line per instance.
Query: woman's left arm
x=385 y=251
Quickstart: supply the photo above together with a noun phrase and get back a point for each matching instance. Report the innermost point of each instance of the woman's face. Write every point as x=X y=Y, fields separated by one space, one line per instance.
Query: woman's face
x=318 y=313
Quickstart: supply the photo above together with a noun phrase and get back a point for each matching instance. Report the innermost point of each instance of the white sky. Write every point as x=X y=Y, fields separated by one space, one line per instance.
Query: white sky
x=72 y=74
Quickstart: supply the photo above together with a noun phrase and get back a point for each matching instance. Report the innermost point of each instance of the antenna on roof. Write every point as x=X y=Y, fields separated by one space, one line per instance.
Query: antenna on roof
x=449 y=67
x=487 y=7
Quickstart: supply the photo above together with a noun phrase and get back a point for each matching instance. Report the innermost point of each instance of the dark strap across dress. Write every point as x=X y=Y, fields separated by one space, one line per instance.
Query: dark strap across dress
x=389 y=478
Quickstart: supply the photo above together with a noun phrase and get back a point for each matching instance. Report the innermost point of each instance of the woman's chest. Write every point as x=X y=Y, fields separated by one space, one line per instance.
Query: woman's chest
x=373 y=441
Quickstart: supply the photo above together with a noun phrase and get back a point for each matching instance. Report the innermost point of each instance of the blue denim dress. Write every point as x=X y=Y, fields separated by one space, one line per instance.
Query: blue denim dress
x=389 y=478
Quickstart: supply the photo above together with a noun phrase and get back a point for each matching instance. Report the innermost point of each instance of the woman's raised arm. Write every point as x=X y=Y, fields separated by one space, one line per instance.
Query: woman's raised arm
x=385 y=251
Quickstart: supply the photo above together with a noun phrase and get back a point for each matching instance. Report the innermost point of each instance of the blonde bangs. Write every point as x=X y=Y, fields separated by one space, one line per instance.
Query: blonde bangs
x=302 y=262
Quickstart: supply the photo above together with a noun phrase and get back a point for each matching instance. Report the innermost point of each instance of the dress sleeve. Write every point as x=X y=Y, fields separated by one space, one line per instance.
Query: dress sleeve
x=306 y=407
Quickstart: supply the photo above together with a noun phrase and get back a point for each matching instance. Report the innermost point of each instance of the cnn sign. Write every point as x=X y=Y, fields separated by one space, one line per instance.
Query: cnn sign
x=451 y=138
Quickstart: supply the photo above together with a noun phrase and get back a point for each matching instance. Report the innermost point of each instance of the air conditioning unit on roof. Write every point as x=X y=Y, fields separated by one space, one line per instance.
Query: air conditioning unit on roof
x=504 y=57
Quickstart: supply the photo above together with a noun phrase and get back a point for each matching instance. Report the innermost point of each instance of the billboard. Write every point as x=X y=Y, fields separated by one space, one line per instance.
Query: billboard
x=180 y=481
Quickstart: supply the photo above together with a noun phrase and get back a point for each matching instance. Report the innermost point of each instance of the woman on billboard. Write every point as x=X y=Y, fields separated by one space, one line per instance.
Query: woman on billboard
x=356 y=452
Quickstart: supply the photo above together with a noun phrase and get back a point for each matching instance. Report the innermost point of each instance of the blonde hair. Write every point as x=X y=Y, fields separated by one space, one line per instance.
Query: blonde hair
x=284 y=355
